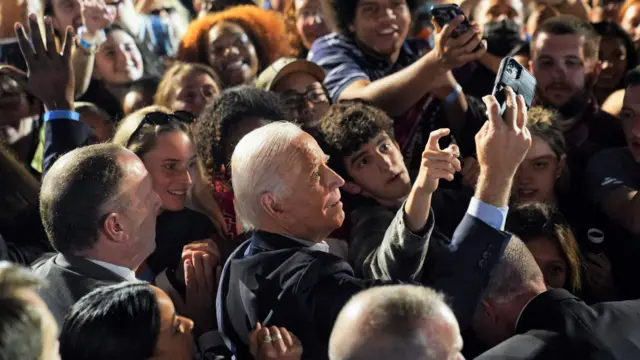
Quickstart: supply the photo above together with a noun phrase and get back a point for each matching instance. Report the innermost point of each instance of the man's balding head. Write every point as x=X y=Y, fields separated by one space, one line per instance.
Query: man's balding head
x=402 y=322
x=75 y=193
x=514 y=281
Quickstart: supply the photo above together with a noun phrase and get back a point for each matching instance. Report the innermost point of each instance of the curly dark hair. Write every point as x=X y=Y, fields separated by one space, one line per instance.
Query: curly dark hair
x=295 y=41
x=265 y=29
x=347 y=127
x=231 y=107
x=341 y=13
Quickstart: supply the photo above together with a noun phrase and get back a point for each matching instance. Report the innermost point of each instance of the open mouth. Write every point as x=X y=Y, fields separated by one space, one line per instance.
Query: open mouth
x=526 y=193
x=388 y=31
x=181 y=193
x=394 y=178
x=236 y=65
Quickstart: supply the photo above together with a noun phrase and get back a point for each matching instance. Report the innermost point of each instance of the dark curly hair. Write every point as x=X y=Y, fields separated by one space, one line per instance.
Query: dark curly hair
x=295 y=41
x=341 y=13
x=347 y=127
x=265 y=30
x=231 y=107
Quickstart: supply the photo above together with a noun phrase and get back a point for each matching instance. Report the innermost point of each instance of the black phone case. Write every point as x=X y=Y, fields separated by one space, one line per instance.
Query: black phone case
x=514 y=75
x=445 y=13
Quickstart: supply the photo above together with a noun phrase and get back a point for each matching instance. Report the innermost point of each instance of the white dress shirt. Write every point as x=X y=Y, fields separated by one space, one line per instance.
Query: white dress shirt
x=118 y=270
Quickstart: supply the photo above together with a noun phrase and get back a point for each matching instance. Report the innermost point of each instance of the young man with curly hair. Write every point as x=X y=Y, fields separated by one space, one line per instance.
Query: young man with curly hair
x=371 y=58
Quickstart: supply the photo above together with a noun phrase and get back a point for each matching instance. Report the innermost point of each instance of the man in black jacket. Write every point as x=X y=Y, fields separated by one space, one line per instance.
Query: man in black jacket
x=517 y=302
x=284 y=189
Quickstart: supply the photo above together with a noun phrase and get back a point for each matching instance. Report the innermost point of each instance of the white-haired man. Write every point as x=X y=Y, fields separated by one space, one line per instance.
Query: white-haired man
x=400 y=322
x=284 y=190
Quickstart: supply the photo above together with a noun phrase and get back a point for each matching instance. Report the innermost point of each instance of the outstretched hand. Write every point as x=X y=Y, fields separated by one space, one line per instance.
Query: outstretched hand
x=437 y=163
x=50 y=76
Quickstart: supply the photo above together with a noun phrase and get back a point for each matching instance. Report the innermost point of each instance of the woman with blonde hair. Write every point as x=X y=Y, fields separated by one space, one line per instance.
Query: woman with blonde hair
x=163 y=141
x=188 y=87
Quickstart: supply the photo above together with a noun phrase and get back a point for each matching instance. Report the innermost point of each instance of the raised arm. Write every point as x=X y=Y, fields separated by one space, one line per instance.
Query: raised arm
x=96 y=16
x=50 y=79
x=462 y=271
x=397 y=92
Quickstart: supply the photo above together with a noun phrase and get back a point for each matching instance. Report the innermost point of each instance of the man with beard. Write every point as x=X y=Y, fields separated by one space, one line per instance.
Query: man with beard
x=564 y=60
x=371 y=58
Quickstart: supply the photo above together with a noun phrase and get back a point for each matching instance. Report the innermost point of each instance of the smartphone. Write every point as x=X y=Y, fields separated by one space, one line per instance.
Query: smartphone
x=514 y=75
x=445 y=13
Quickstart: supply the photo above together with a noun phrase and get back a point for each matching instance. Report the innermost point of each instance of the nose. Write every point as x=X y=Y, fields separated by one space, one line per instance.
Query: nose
x=334 y=180
x=186 y=178
x=606 y=64
x=385 y=162
x=523 y=177
x=122 y=56
x=187 y=324
x=231 y=51
x=635 y=128
x=388 y=14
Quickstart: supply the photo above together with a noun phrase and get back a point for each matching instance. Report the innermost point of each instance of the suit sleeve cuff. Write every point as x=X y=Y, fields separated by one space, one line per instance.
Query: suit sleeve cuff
x=495 y=217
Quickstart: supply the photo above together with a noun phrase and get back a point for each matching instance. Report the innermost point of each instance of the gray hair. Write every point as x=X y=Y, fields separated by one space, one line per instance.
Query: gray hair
x=514 y=274
x=391 y=326
x=257 y=166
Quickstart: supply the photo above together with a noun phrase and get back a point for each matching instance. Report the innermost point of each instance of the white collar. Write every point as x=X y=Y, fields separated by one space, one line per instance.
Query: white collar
x=321 y=246
x=116 y=269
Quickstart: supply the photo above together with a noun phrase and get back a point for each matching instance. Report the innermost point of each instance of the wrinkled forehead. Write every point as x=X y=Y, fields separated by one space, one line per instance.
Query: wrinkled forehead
x=307 y=152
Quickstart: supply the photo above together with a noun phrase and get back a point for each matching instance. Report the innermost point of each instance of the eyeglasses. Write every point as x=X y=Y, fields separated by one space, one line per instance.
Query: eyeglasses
x=314 y=94
x=161 y=118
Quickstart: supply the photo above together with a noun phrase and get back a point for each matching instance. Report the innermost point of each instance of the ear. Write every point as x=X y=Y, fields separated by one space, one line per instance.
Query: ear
x=351 y=188
x=114 y=229
x=489 y=312
x=352 y=28
x=270 y=205
x=561 y=165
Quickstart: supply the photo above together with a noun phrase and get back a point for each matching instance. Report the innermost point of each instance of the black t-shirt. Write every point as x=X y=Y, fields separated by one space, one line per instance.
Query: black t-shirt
x=610 y=170
x=174 y=230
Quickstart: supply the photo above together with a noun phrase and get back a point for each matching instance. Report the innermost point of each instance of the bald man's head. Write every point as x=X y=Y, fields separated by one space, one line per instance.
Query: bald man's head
x=396 y=322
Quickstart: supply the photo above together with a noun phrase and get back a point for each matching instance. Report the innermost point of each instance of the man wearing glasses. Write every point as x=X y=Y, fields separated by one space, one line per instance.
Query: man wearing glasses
x=299 y=82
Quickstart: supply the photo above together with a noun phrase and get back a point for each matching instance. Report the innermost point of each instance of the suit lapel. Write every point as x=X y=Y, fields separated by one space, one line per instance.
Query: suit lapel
x=87 y=268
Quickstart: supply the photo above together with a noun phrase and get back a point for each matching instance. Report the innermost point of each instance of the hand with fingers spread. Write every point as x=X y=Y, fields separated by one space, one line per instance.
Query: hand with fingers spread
x=96 y=16
x=50 y=77
x=273 y=343
x=453 y=52
x=501 y=145
x=437 y=163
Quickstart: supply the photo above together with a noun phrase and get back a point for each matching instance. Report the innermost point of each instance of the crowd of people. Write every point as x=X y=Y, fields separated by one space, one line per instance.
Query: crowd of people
x=318 y=179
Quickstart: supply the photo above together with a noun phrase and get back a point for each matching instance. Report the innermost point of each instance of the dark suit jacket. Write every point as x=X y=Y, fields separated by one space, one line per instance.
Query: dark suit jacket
x=608 y=330
x=68 y=279
x=62 y=136
x=277 y=281
x=537 y=345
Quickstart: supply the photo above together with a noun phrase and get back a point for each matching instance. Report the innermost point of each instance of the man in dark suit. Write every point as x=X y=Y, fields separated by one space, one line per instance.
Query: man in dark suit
x=284 y=189
x=517 y=302
x=99 y=211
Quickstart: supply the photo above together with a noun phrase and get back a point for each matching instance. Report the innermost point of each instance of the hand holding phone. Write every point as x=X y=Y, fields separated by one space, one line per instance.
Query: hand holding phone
x=513 y=75
x=457 y=40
